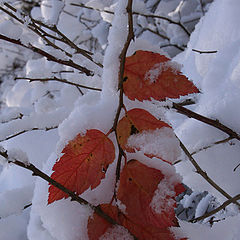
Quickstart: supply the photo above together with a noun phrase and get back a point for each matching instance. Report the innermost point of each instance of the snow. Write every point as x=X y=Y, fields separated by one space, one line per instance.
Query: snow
x=158 y=68
x=226 y=229
x=28 y=105
x=116 y=232
x=11 y=30
x=57 y=7
x=165 y=191
x=203 y=205
x=13 y=227
x=18 y=154
x=160 y=142
x=116 y=39
x=12 y=203
x=213 y=73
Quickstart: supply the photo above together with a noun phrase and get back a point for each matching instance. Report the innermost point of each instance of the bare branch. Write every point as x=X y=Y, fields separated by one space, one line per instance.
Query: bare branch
x=27 y=130
x=223 y=206
x=58 y=80
x=204 y=174
x=204 y=52
x=140 y=14
x=201 y=4
x=19 y=116
x=34 y=25
x=49 y=57
x=74 y=197
x=211 y=122
x=156 y=33
x=181 y=48
x=212 y=145
x=122 y=58
x=187 y=102
x=25 y=207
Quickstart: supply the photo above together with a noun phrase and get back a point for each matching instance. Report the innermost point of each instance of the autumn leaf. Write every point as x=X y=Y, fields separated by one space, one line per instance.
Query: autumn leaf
x=138 y=184
x=136 y=121
x=83 y=164
x=97 y=226
x=151 y=75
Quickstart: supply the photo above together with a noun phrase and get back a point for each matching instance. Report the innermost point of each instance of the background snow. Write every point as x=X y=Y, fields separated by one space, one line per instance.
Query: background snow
x=213 y=74
x=55 y=104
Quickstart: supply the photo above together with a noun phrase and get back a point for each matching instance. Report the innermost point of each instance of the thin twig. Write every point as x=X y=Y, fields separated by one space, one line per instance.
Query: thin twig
x=25 y=207
x=204 y=174
x=211 y=122
x=122 y=58
x=156 y=33
x=223 y=206
x=201 y=4
x=19 y=116
x=28 y=130
x=33 y=25
x=236 y=167
x=74 y=197
x=58 y=80
x=140 y=14
x=49 y=57
x=212 y=145
x=204 y=52
x=187 y=102
x=181 y=48
x=166 y=19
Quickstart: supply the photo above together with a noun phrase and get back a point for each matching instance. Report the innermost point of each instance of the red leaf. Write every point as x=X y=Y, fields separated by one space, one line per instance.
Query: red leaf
x=138 y=184
x=97 y=226
x=151 y=75
x=135 y=121
x=83 y=164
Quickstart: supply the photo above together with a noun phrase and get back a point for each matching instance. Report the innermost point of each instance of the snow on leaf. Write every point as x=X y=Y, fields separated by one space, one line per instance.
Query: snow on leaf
x=136 y=121
x=161 y=143
x=151 y=75
x=99 y=227
x=138 y=184
x=83 y=164
x=137 y=187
